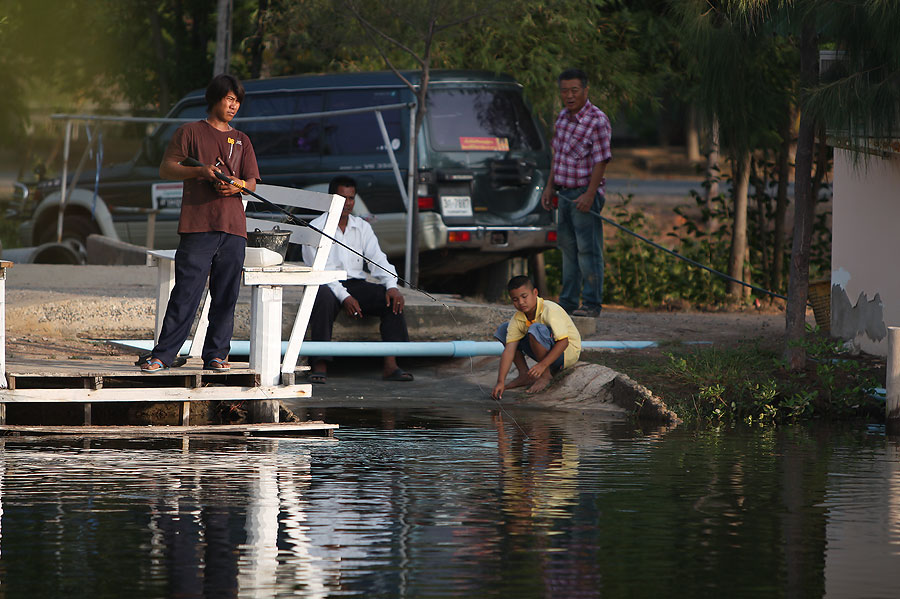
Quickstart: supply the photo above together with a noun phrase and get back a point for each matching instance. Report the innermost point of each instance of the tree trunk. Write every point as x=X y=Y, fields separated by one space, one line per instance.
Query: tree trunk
x=781 y=201
x=160 y=51
x=692 y=135
x=798 y=283
x=223 y=37
x=762 y=205
x=256 y=43
x=712 y=162
x=739 y=232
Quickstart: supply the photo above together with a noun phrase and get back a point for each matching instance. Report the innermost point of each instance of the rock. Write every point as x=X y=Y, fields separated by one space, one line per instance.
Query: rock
x=600 y=388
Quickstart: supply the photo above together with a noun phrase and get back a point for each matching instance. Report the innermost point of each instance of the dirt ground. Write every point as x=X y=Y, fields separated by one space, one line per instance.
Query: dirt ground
x=63 y=326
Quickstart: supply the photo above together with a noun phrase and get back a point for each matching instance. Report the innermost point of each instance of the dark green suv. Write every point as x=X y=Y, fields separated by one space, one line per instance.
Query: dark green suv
x=482 y=163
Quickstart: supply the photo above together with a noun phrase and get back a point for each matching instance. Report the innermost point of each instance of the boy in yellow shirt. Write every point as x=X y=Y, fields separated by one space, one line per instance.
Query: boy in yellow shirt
x=541 y=330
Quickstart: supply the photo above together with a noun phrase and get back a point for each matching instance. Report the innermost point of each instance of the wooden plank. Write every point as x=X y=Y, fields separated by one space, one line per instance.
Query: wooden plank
x=185 y=413
x=317 y=277
x=77 y=371
x=129 y=394
x=134 y=431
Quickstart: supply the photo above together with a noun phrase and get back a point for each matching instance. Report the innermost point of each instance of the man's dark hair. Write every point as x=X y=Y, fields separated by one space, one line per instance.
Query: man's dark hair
x=219 y=87
x=341 y=181
x=519 y=281
x=570 y=74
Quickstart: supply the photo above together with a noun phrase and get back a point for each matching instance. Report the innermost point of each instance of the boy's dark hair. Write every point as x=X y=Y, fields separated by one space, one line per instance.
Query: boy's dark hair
x=519 y=281
x=219 y=87
x=570 y=74
x=341 y=181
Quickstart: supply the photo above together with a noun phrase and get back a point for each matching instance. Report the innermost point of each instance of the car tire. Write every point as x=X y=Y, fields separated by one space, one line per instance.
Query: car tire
x=76 y=228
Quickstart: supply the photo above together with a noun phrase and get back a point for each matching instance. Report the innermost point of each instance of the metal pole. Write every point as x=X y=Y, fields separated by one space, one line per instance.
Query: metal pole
x=411 y=206
x=394 y=165
x=65 y=175
x=892 y=403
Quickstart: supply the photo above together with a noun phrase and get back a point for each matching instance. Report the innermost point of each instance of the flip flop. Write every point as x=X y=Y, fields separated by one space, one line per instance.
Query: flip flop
x=317 y=378
x=399 y=375
x=152 y=366
x=178 y=361
x=217 y=364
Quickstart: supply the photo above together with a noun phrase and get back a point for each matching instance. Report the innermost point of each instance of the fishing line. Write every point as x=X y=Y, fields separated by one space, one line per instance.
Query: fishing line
x=305 y=223
x=677 y=255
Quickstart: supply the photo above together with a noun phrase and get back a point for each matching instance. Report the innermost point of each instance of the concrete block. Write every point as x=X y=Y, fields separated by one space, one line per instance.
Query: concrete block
x=104 y=250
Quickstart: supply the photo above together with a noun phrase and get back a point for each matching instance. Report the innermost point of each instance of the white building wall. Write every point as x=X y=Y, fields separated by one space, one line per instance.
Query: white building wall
x=865 y=250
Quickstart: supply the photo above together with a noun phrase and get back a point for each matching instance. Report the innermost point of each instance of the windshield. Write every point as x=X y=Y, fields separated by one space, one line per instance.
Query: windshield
x=480 y=119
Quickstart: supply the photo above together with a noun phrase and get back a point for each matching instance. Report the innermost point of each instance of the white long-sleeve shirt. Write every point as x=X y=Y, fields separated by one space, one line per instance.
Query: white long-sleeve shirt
x=359 y=236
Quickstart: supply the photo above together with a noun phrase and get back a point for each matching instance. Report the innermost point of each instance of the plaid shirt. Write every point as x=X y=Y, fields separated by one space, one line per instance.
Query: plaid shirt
x=579 y=144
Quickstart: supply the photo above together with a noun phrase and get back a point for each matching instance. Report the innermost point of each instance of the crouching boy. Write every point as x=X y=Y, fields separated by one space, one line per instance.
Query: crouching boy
x=541 y=330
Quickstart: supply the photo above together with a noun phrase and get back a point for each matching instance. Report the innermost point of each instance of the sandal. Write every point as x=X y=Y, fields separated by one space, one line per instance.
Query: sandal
x=217 y=364
x=152 y=366
x=399 y=375
x=317 y=378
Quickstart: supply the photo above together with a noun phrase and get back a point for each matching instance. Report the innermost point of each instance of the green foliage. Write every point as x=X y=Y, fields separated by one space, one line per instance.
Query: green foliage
x=751 y=384
x=858 y=96
x=640 y=275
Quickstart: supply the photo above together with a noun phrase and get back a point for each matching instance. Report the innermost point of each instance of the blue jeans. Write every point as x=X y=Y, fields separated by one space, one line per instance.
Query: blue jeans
x=542 y=335
x=219 y=256
x=580 y=239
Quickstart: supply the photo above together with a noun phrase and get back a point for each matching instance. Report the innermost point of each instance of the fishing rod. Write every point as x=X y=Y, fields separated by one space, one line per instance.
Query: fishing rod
x=189 y=161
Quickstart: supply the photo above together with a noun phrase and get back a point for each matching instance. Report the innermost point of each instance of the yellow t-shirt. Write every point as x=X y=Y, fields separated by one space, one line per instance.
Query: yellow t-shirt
x=555 y=318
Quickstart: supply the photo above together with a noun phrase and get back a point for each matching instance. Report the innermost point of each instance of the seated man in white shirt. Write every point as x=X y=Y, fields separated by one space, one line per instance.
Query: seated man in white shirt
x=356 y=296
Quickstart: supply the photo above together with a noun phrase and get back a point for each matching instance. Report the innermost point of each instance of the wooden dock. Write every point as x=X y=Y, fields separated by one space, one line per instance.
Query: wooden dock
x=88 y=398
x=89 y=386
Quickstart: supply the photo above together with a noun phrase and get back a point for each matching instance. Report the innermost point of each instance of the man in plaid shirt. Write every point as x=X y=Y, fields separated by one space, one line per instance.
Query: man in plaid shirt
x=580 y=154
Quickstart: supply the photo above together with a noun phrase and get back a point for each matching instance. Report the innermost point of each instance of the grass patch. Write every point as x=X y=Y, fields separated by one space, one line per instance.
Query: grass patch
x=749 y=382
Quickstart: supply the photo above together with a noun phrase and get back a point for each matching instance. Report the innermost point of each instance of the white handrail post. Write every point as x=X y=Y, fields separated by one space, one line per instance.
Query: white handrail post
x=3 y=266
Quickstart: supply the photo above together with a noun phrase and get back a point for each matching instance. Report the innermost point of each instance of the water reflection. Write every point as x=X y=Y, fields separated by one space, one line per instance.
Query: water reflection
x=444 y=504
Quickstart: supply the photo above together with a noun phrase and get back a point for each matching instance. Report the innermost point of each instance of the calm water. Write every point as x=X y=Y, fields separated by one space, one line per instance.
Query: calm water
x=470 y=504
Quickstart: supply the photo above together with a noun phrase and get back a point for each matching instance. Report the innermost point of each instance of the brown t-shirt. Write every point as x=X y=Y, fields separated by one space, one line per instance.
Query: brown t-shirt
x=202 y=209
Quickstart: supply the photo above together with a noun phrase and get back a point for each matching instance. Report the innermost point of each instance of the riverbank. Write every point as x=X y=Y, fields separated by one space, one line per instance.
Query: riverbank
x=65 y=312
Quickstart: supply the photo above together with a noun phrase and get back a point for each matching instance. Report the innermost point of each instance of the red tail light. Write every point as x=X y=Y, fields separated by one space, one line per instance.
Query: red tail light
x=551 y=236
x=459 y=236
x=555 y=200
x=426 y=203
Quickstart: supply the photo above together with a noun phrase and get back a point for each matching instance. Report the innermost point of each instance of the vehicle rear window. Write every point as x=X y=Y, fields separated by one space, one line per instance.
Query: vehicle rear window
x=480 y=119
x=359 y=133
x=165 y=131
x=282 y=138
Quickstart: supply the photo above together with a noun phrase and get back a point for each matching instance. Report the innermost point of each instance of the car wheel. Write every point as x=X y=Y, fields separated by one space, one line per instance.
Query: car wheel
x=76 y=229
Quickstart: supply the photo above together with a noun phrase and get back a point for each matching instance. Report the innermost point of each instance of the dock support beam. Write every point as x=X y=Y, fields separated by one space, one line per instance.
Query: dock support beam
x=892 y=404
x=265 y=346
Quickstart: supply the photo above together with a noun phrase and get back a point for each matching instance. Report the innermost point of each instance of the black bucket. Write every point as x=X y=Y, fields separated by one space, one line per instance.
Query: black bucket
x=275 y=240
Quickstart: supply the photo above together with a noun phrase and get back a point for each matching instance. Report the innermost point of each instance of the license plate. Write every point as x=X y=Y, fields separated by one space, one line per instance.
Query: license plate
x=166 y=195
x=456 y=205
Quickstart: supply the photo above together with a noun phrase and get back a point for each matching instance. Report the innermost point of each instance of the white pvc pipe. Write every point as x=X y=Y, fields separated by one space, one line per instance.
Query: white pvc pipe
x=446 y=349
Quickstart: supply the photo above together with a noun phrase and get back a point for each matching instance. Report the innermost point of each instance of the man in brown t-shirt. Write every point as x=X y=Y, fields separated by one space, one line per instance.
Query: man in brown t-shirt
x=212 y=226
